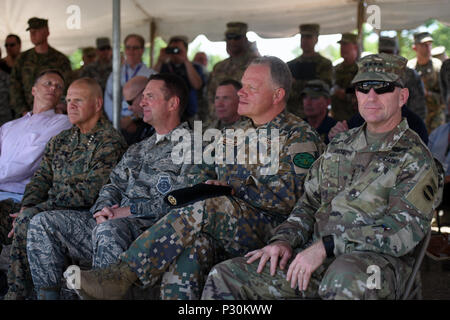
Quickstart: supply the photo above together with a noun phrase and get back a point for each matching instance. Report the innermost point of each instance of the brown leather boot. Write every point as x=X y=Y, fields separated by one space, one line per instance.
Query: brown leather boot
x=110 y=283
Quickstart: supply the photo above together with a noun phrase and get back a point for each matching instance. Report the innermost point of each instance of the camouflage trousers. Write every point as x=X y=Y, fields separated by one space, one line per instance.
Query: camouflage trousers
x=342 y=278
x=7 y=207
x=182 y=246
x=56 y=237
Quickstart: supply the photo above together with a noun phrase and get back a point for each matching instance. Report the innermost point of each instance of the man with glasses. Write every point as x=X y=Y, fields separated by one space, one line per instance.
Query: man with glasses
x=309 y=66
x=134 y=129
x=102 y=67
x=30 y=63
x=13 y=45
x=368 y=202
x=126 y=207
x=132 y=67
x=241 y=54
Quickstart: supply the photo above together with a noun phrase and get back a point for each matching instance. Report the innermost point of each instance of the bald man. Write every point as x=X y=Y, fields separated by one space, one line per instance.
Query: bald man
x=133 y=128
x=76 y=164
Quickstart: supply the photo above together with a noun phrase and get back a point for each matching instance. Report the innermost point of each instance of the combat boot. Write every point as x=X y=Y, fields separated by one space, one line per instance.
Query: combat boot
x=110 y=283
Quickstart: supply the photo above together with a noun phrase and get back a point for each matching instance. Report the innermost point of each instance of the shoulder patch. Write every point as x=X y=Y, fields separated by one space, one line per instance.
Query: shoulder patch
x=304 y=160
x=164 y=185
x=423 y=195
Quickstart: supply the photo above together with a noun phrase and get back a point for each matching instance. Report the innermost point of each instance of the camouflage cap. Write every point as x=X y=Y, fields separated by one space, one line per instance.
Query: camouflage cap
x=103 y=43
x=387 y=44
x=309 y=29
x=37 y=23
x=316 y=88
x=349 y=38
x=236 y=28
x=381 y=67
x=422 y=37
x=89 y=52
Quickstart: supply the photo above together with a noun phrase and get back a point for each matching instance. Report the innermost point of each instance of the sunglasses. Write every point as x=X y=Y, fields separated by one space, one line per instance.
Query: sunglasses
x=133 y=47
x=233 y=37
x=130 y=102
x=10 y=45
x=379 y=87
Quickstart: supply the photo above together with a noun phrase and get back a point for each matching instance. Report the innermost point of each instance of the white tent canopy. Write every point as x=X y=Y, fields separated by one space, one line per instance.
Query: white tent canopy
x=269 y=19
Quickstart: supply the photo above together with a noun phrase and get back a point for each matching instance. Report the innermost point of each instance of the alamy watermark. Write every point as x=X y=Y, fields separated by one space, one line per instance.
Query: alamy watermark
x=73 y=22
x=374 y=16
x=73 y=277
x=374 y=280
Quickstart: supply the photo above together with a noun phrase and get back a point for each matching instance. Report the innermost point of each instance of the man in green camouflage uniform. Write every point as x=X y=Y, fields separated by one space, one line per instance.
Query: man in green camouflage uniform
x=32 y=62
x=368 y=202
x=102 y=67
x=125 y=208
x=238 y=47
x=76 y=164
x=343 y=100
x=5 y=110
x=182 y=246
x=445 y=81
x=428 y=68
x=309 y=66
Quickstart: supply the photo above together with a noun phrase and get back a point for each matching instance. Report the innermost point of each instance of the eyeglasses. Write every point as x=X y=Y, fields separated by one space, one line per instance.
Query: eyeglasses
x=10 y=45
x=49 y=84
x=379 y=87
x=233 y=37
x=130 y=102
x=133 y=47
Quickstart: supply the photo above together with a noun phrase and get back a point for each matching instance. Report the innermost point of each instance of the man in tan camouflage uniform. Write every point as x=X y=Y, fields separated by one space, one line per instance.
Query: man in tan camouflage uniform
x=343 y=100
x=76 y=164
x=182 y=246
x=238 y=47
x=32 y=62
x=126 y=207
x=309 y=66
x=368 y=202
x=428 y=68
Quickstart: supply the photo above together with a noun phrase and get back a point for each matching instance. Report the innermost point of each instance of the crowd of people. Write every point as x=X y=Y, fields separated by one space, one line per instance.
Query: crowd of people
x=363 y=165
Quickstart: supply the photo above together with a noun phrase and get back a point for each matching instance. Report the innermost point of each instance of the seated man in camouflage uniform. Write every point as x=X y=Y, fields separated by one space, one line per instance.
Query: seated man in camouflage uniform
x=181 y=247
x=368 y=201
x=76 y=164
x=126 y=207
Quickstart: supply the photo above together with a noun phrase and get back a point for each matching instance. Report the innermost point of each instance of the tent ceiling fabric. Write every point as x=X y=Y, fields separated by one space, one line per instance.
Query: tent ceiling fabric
x=269 y=19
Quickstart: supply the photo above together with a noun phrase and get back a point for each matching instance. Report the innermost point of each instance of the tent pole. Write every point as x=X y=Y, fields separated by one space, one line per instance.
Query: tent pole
x=361 y=17
x=117 y=94
x=152 y=40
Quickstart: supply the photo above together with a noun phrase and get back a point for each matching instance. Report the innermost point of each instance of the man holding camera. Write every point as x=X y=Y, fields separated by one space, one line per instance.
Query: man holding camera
x=173 y=59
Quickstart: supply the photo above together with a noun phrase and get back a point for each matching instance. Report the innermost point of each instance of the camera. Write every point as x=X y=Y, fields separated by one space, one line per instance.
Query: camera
x=170 y=50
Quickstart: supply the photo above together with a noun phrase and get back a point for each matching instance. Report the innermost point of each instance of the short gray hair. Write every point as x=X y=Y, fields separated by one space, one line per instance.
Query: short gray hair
x=279 y=72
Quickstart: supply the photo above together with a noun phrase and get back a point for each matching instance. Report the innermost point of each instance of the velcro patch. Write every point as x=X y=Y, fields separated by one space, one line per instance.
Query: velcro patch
x=424 y=193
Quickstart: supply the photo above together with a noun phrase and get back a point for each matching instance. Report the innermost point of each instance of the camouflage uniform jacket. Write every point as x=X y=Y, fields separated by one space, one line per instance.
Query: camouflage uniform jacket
x=445 y=81
x=416 y=100
x=98 y=71
x=230 y=68
x=144 y=175
x=343 y=76
x=5 y=110
x=74 y=168
x=26 y=69
x=274 y=193
x=304 y=69
x=377 y=198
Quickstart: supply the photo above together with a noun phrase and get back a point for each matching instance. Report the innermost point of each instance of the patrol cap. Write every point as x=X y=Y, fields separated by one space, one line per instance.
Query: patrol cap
x=236 y=28
x=103 y=43
x=316 y=89
x=89 y=51
x=388 y=44
x=381 y=67
x=37 y=23
x=349 y=38
x=422 y=37
x=309 y=29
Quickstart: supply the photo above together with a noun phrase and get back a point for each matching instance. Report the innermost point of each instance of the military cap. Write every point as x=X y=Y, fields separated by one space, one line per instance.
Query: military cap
x=103 y=43
x=236 y=28
x=309 y=29
x=201 y=191
x=387 y=44
x=316 y=89
x=37 y=23
x=422 y=37
x=88 y=51
x=381 y=67
x=349 y=38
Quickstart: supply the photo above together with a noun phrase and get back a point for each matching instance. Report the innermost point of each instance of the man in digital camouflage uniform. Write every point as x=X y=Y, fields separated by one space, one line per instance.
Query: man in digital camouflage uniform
x=343 y=100
x=241 y=54
x=181 y=247
x=76 y=164
x=368 y=201
x=126 y=207
x=428 y=69
x=309 y=66
x=32 y=62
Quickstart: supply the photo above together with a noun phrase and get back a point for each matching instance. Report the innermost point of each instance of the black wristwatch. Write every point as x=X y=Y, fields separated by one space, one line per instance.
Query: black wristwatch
x=328 y=243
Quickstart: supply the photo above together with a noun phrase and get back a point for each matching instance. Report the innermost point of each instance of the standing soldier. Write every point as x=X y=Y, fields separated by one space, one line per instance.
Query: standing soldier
x=32 y=62
x=309 y=66
x=241 y=54
x=428 y=68
x=343 y=100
